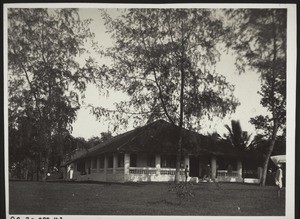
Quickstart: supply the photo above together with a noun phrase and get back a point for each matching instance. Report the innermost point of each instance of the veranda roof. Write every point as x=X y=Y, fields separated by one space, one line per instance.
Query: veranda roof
x=278 y=159
x=160 y=137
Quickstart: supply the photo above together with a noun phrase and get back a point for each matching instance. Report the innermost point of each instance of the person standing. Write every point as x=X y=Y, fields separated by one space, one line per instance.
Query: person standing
x=278 y=179
x=209 y=176
x=186 y=172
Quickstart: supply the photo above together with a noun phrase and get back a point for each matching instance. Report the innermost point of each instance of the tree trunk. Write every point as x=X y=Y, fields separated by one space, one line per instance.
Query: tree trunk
x=178 y=157
x=46 y=167
x=273 y=108
x=26 y=173
x=266 y=162
x=47 y=153
x=37 y=170
x=268 y=155
x=182 y=81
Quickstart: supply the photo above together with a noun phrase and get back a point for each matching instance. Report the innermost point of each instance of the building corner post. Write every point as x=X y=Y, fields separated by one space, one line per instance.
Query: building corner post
x=126 y=163
x=115 y=163
x=157 y=164
x=126 y=167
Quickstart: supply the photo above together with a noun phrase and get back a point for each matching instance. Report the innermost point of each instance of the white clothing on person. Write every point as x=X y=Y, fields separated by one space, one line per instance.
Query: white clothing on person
x=278 y=178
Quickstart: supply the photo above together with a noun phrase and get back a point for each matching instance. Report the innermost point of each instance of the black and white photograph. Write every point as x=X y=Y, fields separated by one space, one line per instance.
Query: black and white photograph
x=149 y=110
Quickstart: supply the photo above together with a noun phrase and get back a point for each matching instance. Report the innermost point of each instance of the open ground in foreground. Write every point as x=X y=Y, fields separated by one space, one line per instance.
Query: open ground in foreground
x=65 y=198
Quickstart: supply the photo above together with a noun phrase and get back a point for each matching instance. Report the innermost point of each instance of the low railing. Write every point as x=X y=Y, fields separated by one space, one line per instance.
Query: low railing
x=142 y=170
x=225 y=173
x=139 y=170
x=109 y=170
x=101 y=170
x=120 y=170
x=170 y=171
x=152 y=170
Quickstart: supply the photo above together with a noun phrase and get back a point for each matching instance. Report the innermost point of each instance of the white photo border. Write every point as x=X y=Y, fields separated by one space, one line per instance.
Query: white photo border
x=291 y=93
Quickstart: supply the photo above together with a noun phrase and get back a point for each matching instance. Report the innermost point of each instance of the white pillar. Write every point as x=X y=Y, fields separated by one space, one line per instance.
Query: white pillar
x=115 y=163
x=126 y=163
x=71 y=170
x=213 y=167
x=98 y=164
x=68 y=172
x=87 y=167
x=157 y=164
x=259 y=171
x=187 y=161
x=239 y=168
x=105 y=164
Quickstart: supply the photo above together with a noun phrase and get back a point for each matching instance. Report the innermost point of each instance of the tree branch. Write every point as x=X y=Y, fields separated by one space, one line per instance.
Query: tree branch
x=140 y=78
x=159 y=88
x=161 y=98
x=31 y=89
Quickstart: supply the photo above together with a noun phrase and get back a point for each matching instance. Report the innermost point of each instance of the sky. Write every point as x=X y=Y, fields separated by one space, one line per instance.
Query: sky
x=246 y=87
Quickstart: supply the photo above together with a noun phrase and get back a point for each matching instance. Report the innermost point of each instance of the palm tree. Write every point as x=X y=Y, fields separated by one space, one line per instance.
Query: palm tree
x=236 y=136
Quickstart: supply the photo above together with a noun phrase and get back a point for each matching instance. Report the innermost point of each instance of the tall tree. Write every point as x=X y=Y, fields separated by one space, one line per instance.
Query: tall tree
x=258 y=36
x=45 y=78
x=164 y=59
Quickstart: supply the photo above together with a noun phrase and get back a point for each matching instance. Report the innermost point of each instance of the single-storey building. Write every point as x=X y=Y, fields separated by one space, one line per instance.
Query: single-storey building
x=148 y=153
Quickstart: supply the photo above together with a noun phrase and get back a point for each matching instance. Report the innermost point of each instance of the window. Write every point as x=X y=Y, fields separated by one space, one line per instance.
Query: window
x=101 y=162
x=121 y=160
x=110 y=163
x=151 y=160
x=168 y=161
x=94 y=163
x=133 y=159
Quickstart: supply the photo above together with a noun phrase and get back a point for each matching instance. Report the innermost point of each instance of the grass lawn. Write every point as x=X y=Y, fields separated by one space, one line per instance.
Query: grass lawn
x=142 y=199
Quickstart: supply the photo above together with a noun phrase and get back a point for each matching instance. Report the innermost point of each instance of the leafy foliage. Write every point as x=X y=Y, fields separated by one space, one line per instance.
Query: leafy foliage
x=45 y=79
x=260 y=41
x=93 y=141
